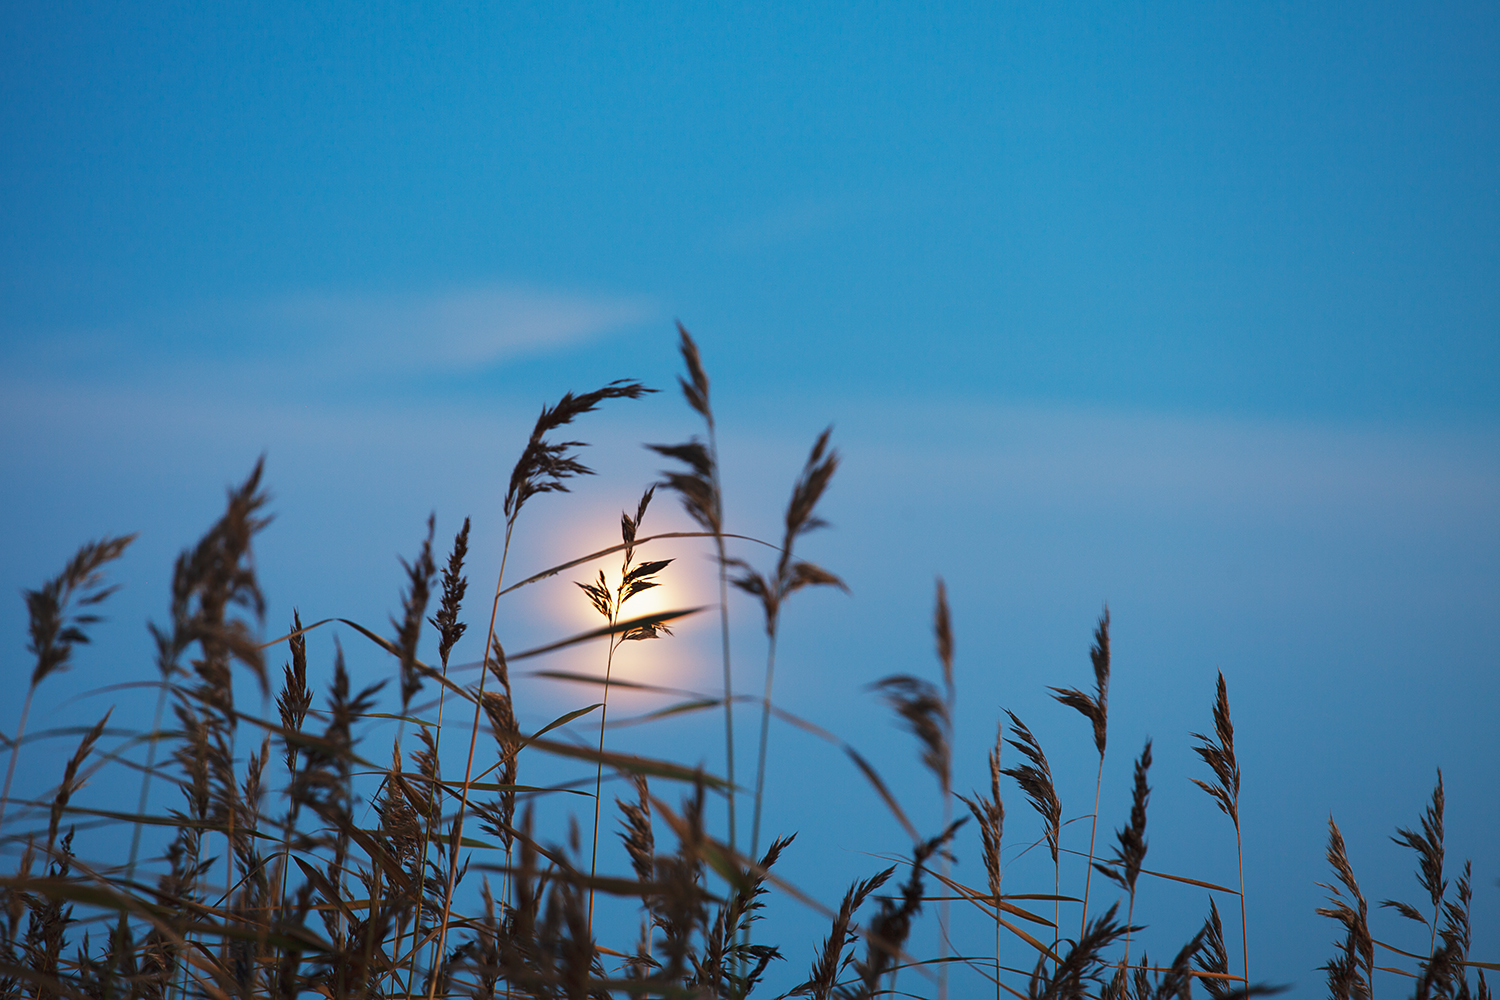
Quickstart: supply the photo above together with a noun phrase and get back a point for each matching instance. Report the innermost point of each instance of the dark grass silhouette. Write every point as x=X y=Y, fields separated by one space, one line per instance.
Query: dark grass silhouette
x=304 y=859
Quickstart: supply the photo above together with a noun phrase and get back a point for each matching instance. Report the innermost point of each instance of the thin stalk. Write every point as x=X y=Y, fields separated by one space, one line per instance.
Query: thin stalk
x=1437 y=911
x=1089 y=871
x=432 y=790
x=286 y=847
x=728 y=692
x=1239 y=851
x=187 y=939
x=765 y=730
x=15 y=750
x=463 y=803
x=609 y=663
x=943 y=907
x=1056 y=909
x=713 y=451
x=140 y=809
x=997 y=952
x=229 y=856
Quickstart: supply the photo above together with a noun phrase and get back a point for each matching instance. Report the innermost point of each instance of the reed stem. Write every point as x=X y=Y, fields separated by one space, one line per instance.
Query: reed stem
x=1239 y=851
x=609 y=664
x=1088 y=872
x=765 y=730
x=15 y=750
x=463 y=803
x=140 y=809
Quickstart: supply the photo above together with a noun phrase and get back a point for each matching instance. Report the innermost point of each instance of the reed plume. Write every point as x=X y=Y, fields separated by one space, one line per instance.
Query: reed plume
x=1035 y=779
x=455 y=586
x=924 y=712
x=1124 y=867
x=893 y=920
x=1095 y=708
x=419 y=574
x=1218 y=754
x=832 y=960
x=1350 y=973
x=1428 y=846
x=59 y=614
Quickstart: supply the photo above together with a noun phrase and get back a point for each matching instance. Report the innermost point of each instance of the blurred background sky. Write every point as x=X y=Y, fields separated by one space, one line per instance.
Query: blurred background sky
x=1190 y=308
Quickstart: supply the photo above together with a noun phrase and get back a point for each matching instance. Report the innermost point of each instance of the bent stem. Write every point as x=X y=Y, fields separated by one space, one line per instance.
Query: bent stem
x=140 y=809
x=609 y=663
x=1239 y=851
x=1089 y=871
x=765 y=729
x=15 y=750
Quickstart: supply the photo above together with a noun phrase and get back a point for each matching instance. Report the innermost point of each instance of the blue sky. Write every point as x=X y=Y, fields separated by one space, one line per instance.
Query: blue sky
x=1189 y=308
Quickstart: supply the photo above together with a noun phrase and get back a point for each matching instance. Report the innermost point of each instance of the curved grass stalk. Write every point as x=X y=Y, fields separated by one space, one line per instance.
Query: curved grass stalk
x=542 y=468
x=790 y=576
x=703 y=499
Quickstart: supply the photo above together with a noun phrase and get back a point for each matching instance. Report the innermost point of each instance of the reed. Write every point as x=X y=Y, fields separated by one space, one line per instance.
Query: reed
x=609 y=602
x=703 y=500
x=1095 y=708
x=1217 y=752
x=790 y=575
x=301 y=855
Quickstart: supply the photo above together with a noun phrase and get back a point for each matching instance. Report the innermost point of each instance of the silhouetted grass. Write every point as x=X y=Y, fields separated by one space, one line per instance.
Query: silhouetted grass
x=301 y=858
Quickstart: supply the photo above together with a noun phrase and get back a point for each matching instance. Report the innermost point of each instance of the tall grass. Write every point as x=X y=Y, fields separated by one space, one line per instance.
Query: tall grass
x=298 y=857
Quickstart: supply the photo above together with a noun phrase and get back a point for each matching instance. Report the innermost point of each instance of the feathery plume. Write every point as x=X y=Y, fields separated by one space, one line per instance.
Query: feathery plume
x=545 y=466
x=455 y=585
x=56 y=610
x=1219 y=755
x=419 y=574
x=1350 y=974
x=990 y=814
x=1124 y=867
x=925 y=714
x=1035 y=779
x=1094 y=707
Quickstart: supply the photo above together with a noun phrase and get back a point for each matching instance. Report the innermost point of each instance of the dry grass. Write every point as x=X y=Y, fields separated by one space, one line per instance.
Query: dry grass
x=300 y=858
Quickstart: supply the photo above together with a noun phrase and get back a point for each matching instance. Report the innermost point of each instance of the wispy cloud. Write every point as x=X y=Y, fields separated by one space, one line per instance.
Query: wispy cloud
x=454 y=330
x=328 y=337
x=795 y=221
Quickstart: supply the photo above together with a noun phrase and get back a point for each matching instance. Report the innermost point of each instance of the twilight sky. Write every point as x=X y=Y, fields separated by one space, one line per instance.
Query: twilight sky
x=1190 y=308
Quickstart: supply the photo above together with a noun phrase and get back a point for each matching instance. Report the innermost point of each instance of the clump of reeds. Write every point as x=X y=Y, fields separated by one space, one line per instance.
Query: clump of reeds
x=298 y=855
x=1442 y=969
